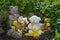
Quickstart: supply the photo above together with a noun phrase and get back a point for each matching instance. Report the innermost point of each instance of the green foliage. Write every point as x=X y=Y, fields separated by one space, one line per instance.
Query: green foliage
x=49 y=8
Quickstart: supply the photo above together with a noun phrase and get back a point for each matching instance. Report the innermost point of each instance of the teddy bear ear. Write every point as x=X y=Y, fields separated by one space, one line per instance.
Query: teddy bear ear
x=10 y=7
x=16 y=6
x=39 y=18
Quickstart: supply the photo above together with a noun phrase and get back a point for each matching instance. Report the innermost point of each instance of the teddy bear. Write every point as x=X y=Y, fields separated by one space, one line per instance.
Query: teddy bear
x=14 y=14
x=34 y=27
x=15 y=30
x=47 y=25
x=24 y=22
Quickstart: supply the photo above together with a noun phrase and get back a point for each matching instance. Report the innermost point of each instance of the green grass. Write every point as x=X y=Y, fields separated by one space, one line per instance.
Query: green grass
x=57 y=36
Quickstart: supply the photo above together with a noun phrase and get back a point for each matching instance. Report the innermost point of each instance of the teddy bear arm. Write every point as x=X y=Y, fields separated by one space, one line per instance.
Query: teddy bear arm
x=11 y=17
x=29 y=26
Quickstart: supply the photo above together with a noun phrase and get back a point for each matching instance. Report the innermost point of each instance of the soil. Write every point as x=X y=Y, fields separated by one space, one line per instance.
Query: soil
x=46 y=36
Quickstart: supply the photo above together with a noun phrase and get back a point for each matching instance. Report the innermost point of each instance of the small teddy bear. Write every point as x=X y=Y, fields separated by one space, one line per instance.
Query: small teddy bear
x=34 y=27
x=47 y=24
x=15 y=30
x=23 y=21
x=14 y=14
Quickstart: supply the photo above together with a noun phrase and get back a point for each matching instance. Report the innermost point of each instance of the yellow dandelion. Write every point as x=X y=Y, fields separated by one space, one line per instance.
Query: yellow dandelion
x=22 y=24
x=23 y=28
x=13 y=27
x=28 y=18
x=18 y=30
x=18 y=20
x=15 y=22
x=27 y=28
x=27 y=34
x=35 y=34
